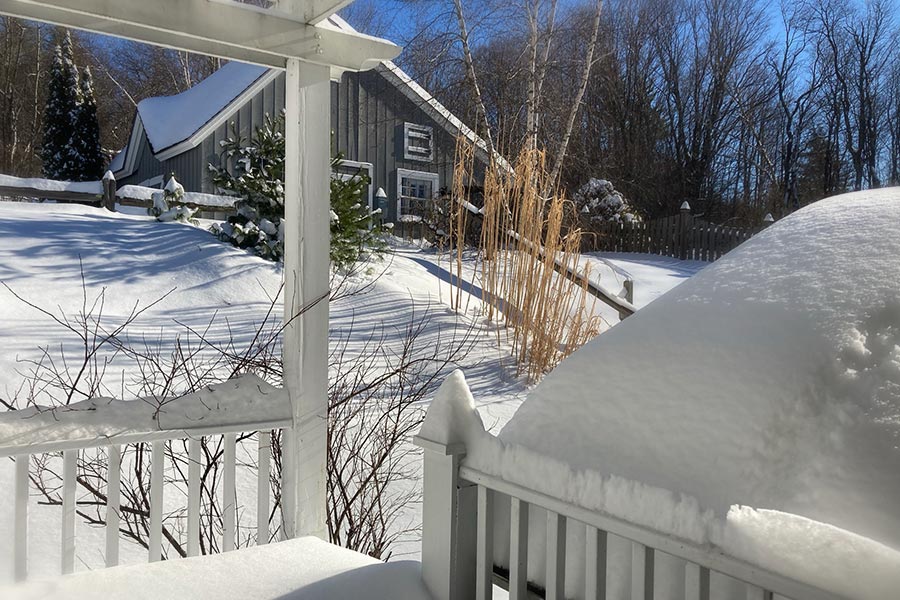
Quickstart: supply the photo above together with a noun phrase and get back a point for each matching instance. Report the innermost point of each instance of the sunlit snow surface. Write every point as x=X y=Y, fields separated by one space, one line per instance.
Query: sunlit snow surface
x=770 y=380
x=300 y=569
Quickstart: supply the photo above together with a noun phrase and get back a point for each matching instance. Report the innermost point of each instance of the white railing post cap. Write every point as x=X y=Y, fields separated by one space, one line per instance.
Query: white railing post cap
x=451 y=449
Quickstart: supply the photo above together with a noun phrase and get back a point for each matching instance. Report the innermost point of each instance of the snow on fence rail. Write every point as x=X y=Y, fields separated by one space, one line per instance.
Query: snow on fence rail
x=245 y=404
x=680 y=236
x=104 y=193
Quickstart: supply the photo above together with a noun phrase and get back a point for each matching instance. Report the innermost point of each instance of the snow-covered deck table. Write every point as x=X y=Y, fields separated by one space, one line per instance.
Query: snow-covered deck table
x=301 y=569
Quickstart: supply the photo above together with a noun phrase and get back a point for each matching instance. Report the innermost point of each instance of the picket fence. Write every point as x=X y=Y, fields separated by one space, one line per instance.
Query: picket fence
x=682 y=236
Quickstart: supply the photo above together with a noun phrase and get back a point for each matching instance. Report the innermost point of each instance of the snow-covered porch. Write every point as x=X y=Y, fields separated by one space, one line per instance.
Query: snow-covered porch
x=289 y=34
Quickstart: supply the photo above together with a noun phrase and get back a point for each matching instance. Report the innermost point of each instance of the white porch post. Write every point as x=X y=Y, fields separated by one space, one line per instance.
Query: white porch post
x=448 y=523
x=306 y=276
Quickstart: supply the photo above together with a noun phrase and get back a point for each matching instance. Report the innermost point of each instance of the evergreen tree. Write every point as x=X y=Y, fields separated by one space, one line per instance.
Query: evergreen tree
x=86 y=134
x=60 y=158
x=254 y=171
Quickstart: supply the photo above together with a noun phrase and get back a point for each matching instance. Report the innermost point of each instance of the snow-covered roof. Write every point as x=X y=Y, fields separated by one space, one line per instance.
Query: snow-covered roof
x=755 y=407
x=177 y=123
x=171 y=120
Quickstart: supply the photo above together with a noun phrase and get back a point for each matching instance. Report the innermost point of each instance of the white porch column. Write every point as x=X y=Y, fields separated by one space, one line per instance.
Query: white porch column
x=306 y=276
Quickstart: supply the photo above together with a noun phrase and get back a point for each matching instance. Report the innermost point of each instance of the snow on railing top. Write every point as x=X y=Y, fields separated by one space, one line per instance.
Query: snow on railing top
x=245 y=403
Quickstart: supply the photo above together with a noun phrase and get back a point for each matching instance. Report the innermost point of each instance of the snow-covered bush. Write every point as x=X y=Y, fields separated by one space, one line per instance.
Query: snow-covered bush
x=254 y=171
x=172 y=193
x=598 y=201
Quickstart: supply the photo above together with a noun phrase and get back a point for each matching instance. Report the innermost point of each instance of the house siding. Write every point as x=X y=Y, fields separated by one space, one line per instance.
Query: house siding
x=367 y=117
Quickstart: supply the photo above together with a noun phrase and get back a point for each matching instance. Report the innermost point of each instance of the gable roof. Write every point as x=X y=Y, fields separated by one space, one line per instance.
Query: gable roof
x=171 y=120
x=175 y=124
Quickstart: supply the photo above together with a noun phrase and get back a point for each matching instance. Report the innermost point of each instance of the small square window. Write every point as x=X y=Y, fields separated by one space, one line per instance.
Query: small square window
x=418 y=142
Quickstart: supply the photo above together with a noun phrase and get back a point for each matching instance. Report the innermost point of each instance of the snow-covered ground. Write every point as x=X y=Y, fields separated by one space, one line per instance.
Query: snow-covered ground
x=301 y=569
x=209 y=284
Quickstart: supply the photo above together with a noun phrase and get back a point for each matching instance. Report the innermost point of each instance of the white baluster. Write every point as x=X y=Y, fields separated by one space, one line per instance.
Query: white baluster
x=696 y=582
x=113 y=489
x=70 y=464
x=641 y=572
x=518 y=549
x=20 y=536
x=556 y=556
x=484 y=573
x=595 y=564
x=157 y=457
x=757 y=593
x=193 y=524
x=262 y=487
x=228 y=500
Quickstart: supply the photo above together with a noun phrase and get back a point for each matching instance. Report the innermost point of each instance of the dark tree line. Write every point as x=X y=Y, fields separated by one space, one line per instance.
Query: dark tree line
x=123 y=74
x=736 y=106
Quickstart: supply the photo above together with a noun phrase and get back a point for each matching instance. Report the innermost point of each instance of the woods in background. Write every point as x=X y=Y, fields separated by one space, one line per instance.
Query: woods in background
x=123 y=73
x=738 y=106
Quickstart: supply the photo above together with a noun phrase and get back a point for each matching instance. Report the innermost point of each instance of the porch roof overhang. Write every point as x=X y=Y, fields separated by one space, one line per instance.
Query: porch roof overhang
x=223 y=28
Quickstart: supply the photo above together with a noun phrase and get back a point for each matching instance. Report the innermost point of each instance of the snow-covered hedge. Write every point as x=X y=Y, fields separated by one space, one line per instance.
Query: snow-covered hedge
x=598 y=201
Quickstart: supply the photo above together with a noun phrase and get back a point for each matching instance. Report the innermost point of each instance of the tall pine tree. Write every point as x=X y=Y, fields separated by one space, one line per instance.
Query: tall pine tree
x=86 y=134
x=61 y=160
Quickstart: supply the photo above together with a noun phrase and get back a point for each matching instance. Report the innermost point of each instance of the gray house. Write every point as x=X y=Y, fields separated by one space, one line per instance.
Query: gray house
x=381 y=120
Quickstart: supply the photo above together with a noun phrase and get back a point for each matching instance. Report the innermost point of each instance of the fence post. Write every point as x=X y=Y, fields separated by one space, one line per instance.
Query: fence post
x=449 y=523
x=768 y=220
x=684 y=219
x=109 y=191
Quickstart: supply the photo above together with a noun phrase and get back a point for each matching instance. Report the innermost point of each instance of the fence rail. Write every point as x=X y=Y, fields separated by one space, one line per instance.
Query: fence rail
x=107 y=194
x=681 y=236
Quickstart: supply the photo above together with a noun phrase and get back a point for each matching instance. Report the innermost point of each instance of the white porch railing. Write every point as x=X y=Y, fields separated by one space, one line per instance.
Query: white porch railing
x=458 y=543
x=70 y=445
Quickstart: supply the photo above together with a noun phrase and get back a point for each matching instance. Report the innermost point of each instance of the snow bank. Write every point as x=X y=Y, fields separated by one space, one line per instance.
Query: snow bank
x=301 y=569
x=769 y=380
x=169 y=120
x=240 y=401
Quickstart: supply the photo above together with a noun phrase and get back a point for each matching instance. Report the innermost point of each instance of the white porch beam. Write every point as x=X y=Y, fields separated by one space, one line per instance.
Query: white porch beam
x=306 y=11
x=306 y=275
x=214 y=28
x=319 y=10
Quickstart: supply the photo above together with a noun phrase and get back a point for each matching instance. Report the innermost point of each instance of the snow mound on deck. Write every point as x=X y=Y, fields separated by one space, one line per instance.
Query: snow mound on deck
x=769 y=380
x=300 y=569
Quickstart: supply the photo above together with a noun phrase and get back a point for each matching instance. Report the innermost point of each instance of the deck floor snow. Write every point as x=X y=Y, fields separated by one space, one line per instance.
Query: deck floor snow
x=301 y=569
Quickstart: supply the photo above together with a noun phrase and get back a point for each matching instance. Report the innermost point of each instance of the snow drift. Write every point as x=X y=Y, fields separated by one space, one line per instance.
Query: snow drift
x=756 y=407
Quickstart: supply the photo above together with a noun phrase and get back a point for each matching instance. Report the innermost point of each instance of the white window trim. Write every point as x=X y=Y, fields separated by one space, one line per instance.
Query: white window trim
x=401 y=173
x=370 y=169
x=414 y=130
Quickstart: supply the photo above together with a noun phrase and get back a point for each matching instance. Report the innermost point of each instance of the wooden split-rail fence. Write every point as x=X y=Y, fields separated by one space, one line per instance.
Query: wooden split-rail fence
x=681 y=236
x=107 y=194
